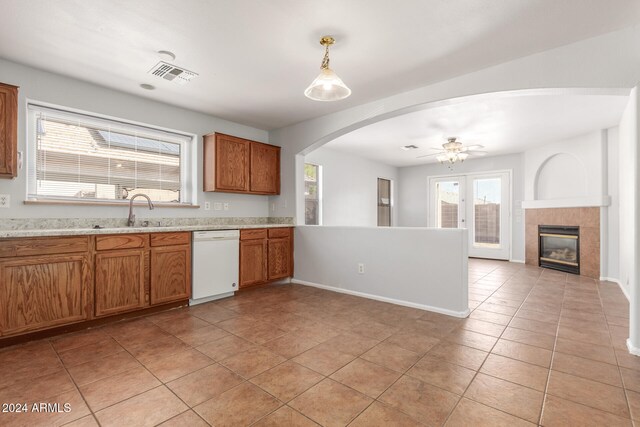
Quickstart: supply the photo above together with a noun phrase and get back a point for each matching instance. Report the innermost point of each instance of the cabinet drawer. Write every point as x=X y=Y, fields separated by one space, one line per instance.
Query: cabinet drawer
x=279 y=232
x=121 y=241
x=256 y=233
x=43 y=246
x=170 y=239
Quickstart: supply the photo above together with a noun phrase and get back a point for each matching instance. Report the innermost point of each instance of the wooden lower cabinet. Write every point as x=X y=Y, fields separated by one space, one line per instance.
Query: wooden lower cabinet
x=120 y=281
x=39 y=292
x=253 y=262
x=170 y=273
x=265 y=255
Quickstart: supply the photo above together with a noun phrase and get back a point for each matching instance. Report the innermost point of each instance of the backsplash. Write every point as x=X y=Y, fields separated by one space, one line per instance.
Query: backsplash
x=62 y=223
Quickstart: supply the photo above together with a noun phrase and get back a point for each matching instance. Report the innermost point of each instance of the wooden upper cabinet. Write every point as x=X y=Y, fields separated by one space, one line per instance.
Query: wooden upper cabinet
x=265 y=169
x=120 y=281
x=226 y=163
x=8 y=131
x=40 y=292
x=237 y=165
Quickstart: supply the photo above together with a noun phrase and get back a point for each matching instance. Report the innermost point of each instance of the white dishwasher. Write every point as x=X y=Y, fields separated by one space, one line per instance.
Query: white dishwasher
x=216 y=256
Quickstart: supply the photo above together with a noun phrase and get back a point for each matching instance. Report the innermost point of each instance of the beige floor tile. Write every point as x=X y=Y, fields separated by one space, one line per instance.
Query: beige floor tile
x=77 y=411
x=102 y=368
x=261 y=334
x=201 y=336
x=287 y=380
x=285 y=416
x=590 y=393
x=351 y=343
x=290 y=345
x=86 y=353
x=518 y=372
x=560 y=413
x=523 y=352
x=37 y=389
x=492 y=316
x=418 y=343
x=366 y=377
x=325 y=360
x=168 y=368
x=631 y=379
x=586 y=368
x=242 y=405
x=528 y=337
x=225 y=347
x=534 y=326
x=183 y=325
x=588 y=351
x=252 y=362
x=114 y=389
x=391 y=356
x=467 y=357
x=330 y=403
x=419 y=400
x=374 y=330
x=469 y=413
x=204 y=384
x=149 y=351
x=505 y=396
x=381 y=415
x=79 y=339
x=483 y=327
x=185 y=419
x=147 y=409
x=442 y=374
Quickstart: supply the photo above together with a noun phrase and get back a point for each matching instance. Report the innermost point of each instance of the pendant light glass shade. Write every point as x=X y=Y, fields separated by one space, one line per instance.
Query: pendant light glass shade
x=327 y=87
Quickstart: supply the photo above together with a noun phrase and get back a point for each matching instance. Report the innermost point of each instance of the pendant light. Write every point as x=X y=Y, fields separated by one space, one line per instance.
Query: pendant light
x=327 y=86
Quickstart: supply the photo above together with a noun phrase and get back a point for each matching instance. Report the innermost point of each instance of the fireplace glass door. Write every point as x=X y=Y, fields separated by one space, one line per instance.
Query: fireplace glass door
x=560 y=248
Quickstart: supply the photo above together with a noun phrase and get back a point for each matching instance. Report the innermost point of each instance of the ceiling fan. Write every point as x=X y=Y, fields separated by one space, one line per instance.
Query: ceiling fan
x=453 y=151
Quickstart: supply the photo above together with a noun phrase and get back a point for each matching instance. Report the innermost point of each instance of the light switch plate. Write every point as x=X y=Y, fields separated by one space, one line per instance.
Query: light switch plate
x=217 y=206
x=5 y=201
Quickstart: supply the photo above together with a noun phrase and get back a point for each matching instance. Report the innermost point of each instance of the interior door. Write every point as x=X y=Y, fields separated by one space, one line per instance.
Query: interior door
x=478 y=202
x=487 y=213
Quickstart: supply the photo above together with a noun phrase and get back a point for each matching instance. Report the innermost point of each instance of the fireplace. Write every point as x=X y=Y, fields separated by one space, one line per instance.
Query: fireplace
x=559 y=248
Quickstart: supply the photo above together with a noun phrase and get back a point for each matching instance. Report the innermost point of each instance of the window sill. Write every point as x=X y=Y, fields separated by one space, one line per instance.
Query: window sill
x=92 y=203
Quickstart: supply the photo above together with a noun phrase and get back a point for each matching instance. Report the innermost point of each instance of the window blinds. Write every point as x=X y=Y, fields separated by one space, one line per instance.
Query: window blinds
x=78 y=156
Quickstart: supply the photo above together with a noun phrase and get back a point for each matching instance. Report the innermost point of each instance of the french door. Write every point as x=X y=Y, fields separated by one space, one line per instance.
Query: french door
x=477 y=202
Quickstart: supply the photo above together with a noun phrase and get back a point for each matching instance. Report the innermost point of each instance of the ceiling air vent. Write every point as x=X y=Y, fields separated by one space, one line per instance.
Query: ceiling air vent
x=172 y=73
x=409 y=147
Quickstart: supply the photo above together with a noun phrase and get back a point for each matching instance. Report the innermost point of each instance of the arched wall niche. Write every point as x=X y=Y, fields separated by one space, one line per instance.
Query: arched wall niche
x=561 y=176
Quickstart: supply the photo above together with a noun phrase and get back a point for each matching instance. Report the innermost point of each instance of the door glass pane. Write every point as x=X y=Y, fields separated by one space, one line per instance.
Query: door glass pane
x=447 y=204
x=384 y=202
x=486 y=212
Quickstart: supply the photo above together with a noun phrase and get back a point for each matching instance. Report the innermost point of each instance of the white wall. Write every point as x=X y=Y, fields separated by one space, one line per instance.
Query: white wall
x=350 y=187
x=568 y=169
x=424 y=268
x=55 y=89
x=413 y=194
x=610 y=215
x=629 y=161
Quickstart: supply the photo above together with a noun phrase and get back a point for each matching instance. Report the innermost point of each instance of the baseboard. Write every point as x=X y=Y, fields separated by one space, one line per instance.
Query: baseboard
x=461 y=314
x=617 y=281
x=633 y=350
x=519 y=261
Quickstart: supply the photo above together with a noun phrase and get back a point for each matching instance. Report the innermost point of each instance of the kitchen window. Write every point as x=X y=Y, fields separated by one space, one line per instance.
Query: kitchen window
x=312 y=195
x=82 y=157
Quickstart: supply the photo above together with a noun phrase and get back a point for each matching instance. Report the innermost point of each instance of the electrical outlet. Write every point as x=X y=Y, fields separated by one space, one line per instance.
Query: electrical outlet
x=226 y=206
x=217 y=206
x=360 y=268
x=207 y=206
x=5 y=201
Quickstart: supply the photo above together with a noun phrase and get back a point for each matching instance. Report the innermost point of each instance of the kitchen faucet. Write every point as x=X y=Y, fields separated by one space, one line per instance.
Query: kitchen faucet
x=132 y=218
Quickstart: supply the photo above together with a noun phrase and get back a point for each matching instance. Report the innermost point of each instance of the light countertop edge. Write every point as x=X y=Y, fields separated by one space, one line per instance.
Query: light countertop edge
x=4 y=234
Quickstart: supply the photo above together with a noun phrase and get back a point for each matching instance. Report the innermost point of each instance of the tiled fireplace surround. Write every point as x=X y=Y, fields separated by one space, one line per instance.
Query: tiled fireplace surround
x=588 y=219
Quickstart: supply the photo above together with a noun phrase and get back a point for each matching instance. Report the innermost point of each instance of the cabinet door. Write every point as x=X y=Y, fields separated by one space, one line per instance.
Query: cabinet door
x=40 y=292
x=253 y=262
x=231 y=164
x=170 y=274
x=279 y=258
x=265 y=169
x=8 y=131
x=120 y=281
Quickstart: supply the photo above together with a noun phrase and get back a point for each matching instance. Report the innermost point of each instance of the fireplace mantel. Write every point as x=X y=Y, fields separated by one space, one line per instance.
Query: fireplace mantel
x=582 y=202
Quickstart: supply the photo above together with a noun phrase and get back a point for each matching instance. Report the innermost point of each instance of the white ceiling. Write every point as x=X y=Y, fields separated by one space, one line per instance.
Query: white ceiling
x=256 y=57
x=502 y=123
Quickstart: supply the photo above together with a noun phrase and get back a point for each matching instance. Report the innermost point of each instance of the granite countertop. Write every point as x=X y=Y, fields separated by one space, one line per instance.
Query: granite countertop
x=63 y=227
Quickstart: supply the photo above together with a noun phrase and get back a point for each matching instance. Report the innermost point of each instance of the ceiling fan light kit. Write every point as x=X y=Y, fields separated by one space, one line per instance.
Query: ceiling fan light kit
x=327 y=86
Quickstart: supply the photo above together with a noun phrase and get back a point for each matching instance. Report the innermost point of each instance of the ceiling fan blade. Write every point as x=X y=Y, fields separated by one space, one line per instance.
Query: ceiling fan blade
x=435 y=148
x=473 y=147
x=429 y=155
x=476 y=153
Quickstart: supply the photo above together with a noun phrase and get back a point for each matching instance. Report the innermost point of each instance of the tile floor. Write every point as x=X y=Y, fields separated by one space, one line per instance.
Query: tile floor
x=540 y=347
